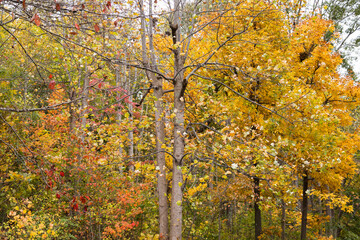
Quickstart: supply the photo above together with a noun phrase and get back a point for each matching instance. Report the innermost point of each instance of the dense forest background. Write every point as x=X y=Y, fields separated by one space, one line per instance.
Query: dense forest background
x=203 y=119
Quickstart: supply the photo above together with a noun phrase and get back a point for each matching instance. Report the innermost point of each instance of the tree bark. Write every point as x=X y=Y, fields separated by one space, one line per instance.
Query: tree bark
x=157 y=85
x=176 y=197
x=258 y=228
x=304 y=207
x=118 y=95
x=160 y=137
x=71 y=112
x=160 y=158
x=131 y=132
x=84 y=104
x=179 y=143
x=283 y=219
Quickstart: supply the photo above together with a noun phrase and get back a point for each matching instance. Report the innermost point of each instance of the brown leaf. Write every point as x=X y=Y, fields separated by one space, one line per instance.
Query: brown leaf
x=57 y=7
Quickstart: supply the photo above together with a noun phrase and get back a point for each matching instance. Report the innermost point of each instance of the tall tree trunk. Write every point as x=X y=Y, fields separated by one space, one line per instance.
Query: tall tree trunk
x=157 y=85
x=160 y=158
x=219 y=221
x=283 y=219
x=304 y=207
x=118 y=95
x=83 y=120
x=71 y=112
x=84 y=104
x=176 y=197
x=179 y=143
x=131 y=132
x=331 y=227
x=160 y=138
x=258 y=228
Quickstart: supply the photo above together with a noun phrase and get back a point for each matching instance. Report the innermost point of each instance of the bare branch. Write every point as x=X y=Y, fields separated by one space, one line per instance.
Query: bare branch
x=25 y=51
x=52 y=107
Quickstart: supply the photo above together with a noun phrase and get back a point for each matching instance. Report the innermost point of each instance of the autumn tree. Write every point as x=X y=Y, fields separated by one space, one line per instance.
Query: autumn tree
x=234 y=110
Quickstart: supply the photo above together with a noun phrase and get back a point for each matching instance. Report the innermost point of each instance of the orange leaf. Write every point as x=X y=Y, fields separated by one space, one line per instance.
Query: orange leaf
x=36 y=19
x=77 y=26
x=96 y=27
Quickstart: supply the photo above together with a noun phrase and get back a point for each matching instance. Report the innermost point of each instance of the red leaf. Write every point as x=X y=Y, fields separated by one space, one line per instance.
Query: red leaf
x=49 y=172
x=76 y=207
x=136 y=114
x=52 y=85
x=57 y=7
x=62 y=174
x=77 y=26
x=87 y=197
x=82 y=199
x=97 y=28
x=58 y=196
x=50 y=76
x=85 y=208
